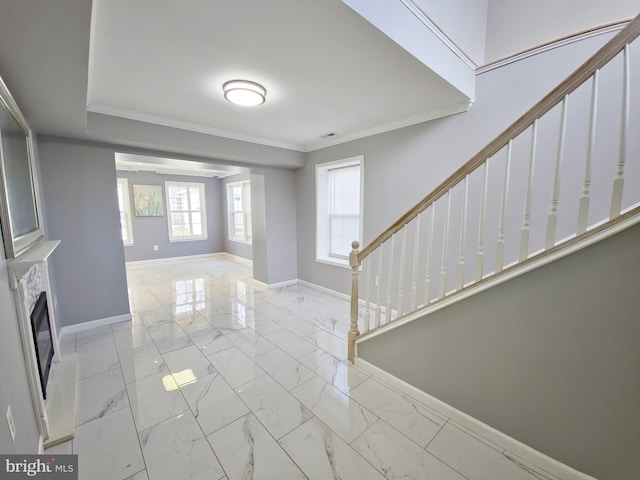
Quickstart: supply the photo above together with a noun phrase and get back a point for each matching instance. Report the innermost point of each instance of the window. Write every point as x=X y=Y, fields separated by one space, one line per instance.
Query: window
x=125 y=212
x=239 y=210
x=338 y=209
x=186 y=216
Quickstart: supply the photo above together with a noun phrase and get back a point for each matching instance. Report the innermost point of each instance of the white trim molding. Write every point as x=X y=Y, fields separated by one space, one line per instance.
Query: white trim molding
x=80 y=327
x=560 y=42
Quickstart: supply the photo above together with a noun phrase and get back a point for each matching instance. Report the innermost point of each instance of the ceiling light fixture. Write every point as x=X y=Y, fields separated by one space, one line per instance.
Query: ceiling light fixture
x=244 y=92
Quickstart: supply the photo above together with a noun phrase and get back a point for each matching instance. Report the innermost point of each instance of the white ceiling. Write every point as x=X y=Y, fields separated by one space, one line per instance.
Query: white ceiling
x=325 y=68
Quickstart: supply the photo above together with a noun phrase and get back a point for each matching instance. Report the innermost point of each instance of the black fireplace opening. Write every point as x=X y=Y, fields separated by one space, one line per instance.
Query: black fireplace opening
x=43 y=339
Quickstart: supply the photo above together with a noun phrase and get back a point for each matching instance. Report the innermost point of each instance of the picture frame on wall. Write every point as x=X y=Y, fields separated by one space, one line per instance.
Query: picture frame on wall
x=147 y=201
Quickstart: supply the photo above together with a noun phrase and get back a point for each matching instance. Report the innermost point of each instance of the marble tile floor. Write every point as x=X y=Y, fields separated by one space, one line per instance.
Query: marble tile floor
x=217 y=377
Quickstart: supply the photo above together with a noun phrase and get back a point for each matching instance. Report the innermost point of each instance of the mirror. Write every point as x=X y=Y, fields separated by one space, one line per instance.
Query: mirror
x=19 y=216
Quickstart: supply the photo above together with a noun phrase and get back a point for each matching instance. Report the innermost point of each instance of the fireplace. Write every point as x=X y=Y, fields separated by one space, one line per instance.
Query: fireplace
x=42 y=339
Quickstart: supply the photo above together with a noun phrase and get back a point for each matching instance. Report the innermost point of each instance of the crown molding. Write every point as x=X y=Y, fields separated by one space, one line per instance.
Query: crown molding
x=387 y=127
x=192 y=127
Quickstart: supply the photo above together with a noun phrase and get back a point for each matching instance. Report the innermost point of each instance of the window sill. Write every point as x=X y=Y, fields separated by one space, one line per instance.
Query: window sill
x=334 y=262
x=187 y=239
x=238 y=240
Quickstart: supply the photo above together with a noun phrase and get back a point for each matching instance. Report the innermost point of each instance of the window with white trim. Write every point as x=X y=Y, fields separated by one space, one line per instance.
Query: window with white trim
x=338 y=209
x=186 y=215
x=124 y=205
x=239 y=211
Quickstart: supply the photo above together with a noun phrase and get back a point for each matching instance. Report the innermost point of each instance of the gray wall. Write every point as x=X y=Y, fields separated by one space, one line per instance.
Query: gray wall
x=551 y=358
x=273 y=209
x=402 y=166
x=13 y=376
x=150 y=231
x=235 y=248
x=79 y=191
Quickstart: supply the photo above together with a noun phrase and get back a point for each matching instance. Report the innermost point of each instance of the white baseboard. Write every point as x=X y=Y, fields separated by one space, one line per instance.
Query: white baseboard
x=169 y=260
x=320 y=288
x=534 y=459
x=273 y=286
x=79 y=327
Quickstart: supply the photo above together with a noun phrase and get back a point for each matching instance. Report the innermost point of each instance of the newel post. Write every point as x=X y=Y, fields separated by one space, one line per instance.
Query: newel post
x=353 y=329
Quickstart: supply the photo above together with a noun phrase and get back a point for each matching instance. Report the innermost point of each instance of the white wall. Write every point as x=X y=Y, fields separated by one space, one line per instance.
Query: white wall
x=463 y=21
x=515 y=25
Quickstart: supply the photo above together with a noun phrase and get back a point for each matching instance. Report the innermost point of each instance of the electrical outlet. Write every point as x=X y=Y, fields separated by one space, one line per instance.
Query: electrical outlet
x=156 y=248
x=12 y=426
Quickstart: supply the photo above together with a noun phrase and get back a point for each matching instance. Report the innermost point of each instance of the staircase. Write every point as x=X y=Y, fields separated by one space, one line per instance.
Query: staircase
x=565 y=174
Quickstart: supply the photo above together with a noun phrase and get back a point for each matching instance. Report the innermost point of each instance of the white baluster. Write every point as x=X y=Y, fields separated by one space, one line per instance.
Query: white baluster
x=389 y=281
x=427 y=281
x=401 y=273
x=583 y=212
x=378 y=287
x=552 y=220
x=503 y=211
x=618 y=183
x=526 y=222
x=367 y=312
x=483 y=197
x=414 y=283
x=463 y=234
x=445 y=241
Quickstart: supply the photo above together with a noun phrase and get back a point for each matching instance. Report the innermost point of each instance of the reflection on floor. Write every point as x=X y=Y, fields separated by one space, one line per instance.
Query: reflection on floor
x=218 y=377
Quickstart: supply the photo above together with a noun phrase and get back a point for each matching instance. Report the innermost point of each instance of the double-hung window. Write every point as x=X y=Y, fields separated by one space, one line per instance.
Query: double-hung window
x=124 y=205
x=186 y=216
x=338 y=209
x=239 y=211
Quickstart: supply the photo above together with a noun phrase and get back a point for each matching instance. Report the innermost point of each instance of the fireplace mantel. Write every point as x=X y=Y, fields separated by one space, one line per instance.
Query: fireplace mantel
x=29 y=275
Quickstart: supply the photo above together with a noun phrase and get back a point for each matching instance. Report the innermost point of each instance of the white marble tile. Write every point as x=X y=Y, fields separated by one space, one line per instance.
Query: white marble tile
x=235 y=366
x=338 y=373
x=250 y=342
x=261 y=324
x=169 y=337
x=155 y=399
x=345 y=416
x=278 y=411
x=329 y=343
x=191 y=322
x=398 y=457
x=213 y=402
x=99 y=395
x=188 y=364
x=95 y=338
x=297 y=325
x=476 y=460
x=324 y=455
x=291 y=343
x=225 y=322
x=92 y=361
x=108 y=447
x=142 y=362
x=247 y=451
x=415 y=421
x=153 y=317
x=210 y=340
x=287 y=371
x=139 y=476
x=130 y=335
x=177 y=449
x=332 y=325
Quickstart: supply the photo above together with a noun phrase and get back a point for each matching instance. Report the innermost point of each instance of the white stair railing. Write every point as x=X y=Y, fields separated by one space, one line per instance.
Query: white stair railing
x=536 y=167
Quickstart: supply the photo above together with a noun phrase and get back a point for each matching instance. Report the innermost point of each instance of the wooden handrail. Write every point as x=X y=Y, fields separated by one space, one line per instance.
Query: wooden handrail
x=571 y=83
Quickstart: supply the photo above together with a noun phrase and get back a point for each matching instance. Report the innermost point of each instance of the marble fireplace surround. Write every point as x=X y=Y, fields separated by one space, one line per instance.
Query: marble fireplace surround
x=29 y=276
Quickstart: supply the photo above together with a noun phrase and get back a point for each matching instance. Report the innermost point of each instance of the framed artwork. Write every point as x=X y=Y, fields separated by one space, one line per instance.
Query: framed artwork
x=147 y=200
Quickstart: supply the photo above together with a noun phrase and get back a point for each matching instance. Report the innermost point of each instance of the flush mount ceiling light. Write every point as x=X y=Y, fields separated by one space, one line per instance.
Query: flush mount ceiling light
x=244 y=92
